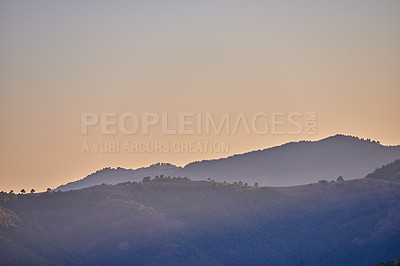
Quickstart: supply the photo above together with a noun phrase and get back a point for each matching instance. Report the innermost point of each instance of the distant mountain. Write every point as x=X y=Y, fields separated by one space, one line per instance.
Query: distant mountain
x=294 y=163
x=181 y=222
x=119 y=175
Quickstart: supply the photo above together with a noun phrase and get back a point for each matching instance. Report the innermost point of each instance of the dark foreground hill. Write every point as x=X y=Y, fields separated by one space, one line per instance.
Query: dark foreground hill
x=291 y=164
x=183 y=222
x=390 y=171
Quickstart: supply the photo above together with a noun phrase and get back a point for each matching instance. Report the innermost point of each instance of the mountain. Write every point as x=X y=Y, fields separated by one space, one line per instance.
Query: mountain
x=119 y=175
x=290 y=164
x=177 y=221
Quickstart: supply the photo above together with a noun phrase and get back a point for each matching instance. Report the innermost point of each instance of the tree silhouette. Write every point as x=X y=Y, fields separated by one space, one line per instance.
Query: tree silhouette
x=48 y=189
x=340 y=179
x=11 y=191
x=256 y=184
x=23 y=191
x=32 y=190
x=146 y=179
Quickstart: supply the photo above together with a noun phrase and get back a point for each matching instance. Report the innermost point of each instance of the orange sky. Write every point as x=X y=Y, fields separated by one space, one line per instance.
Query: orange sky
x=58 y=60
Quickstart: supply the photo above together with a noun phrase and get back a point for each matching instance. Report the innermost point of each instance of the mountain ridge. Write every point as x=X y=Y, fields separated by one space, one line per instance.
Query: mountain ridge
x=292 y=163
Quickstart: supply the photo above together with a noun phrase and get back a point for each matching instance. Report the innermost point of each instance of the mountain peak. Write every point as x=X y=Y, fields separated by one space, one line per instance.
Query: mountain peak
x=343 y=137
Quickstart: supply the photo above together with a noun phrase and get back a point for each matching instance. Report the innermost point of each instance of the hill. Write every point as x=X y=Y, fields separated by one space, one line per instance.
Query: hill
x=114 y=176
x=176 y=221
x=389 y=171
x=290 y=164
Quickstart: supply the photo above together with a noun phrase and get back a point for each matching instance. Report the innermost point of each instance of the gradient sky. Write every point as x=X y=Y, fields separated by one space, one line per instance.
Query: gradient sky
x=58 y=59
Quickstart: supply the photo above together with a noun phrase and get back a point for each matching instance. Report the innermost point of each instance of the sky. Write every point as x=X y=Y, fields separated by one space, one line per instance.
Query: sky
x=61 y=59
